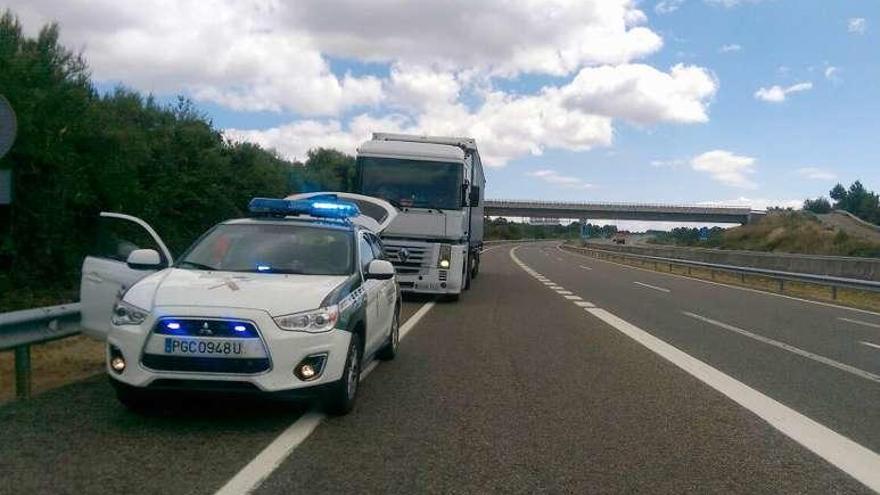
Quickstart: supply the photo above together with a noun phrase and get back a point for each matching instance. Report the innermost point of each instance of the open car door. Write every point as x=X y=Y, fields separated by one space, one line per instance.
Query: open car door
x=106 y=275
x=376 y=214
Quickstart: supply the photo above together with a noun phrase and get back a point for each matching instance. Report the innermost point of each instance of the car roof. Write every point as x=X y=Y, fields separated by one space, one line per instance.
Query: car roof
x=304 y=221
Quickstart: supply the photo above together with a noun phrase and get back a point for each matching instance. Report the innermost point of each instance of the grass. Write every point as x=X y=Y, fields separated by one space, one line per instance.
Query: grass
x=795 y=232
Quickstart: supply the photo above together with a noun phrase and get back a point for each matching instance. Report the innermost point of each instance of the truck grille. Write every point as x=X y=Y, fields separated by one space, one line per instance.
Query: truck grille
x=408 y=259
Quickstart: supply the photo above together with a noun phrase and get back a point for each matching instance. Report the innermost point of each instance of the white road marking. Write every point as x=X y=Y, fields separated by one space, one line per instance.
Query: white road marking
x=255 y=472
x=790 y=348
x=585 y=304
x=585 y=267
x=573 y=298
x=558 y=258
x=870 y=344
x=564 y=292
x=746 y=289
x=661 y=289
x=859 y=322
x=850 y=457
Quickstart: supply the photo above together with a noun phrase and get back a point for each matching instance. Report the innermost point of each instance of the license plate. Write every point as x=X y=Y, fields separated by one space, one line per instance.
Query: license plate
x=205 y=347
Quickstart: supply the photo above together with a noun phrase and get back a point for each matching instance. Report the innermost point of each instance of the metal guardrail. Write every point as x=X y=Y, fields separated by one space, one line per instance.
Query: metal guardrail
x=782 y=277
x=19 y=330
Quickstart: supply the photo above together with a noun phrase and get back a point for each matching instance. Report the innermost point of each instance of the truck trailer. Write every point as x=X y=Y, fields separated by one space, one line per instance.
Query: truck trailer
x=437 y=185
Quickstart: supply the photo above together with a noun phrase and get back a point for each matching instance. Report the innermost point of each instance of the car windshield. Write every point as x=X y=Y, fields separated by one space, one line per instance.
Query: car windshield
x=412 y=183
x=272 y=248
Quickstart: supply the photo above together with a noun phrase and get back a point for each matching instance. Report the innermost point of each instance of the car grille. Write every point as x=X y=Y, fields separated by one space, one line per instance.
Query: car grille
x=415 y=261
x=205 y=364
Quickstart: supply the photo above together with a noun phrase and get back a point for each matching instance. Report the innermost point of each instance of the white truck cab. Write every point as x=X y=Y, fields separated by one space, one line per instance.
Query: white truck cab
x=288 y=302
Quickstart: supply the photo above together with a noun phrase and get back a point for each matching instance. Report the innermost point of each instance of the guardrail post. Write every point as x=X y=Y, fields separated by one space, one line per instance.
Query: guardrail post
x=834 y=292
x=23 y=372
x=781 y=285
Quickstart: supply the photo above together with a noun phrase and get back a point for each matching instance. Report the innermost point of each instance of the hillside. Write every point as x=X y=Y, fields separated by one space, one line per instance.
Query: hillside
x=796 y=232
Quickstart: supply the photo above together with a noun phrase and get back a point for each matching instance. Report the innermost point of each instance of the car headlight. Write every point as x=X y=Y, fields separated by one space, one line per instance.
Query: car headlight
x=445 y=259
x=317 y=320
x=128 y=314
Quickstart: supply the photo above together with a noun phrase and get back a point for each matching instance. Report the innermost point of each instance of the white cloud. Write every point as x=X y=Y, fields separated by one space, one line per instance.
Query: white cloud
x=731 y=47
x=778 y=94
x=857 y=25
x=442 y=62
x=726 y=168
x=642 y=94
x=730 y=3
x=832 y=73
x=667 y=6
x=565 y=181
x=815 y=173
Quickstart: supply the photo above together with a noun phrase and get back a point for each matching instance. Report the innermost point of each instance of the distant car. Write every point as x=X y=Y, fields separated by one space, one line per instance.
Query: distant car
x=619 y=239
x=290 y=303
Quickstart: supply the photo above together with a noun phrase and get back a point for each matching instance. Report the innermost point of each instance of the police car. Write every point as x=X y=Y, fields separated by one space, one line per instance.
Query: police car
x=289 y=302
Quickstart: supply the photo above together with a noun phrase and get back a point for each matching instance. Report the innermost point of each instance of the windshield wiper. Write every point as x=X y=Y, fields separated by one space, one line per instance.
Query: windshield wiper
x=198 y=266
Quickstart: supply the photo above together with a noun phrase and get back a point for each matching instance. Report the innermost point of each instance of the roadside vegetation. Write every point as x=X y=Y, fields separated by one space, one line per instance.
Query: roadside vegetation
x=80 y=151
x=857 y=200
x=504 y=229
x=783 y=231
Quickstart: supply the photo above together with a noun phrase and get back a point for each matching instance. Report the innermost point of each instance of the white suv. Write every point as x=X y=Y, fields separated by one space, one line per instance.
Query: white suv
x=289 y=302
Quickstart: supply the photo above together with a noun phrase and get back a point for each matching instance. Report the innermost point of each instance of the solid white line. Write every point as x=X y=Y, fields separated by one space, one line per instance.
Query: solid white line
x=790 y=348
x=870 y=344
x=253 y=474
x=585 y=267
x=250 y=477
x=850 y=457
x=859 y=322
x=661 y=289
x=756 y=291
x=414 y=319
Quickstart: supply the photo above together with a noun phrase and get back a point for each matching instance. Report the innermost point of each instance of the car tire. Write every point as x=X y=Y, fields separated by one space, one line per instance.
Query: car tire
x=341 y=395
x=389 y=350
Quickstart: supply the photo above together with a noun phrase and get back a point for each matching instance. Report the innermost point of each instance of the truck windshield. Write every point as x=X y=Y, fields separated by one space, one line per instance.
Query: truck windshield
x=411 y=183
x=272 y=248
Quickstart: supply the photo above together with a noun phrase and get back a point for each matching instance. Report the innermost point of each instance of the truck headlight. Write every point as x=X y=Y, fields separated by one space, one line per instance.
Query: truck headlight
x=445 y=259
x=128 y=314
x=317 y=320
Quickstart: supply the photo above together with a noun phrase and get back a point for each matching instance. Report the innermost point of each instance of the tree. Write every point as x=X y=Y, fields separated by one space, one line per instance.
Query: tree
x=818 y=205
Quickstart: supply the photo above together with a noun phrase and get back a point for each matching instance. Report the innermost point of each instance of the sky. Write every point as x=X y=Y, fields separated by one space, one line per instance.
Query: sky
x=740 y=102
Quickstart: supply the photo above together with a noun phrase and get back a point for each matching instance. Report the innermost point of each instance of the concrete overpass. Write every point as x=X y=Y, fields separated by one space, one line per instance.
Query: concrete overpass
x=620 y=211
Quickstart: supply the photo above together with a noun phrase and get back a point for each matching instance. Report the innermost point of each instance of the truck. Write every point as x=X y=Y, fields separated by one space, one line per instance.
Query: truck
x=438 y=186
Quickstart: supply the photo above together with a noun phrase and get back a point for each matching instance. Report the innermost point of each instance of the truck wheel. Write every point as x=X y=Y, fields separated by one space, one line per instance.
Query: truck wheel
x=389 y=350
x=341 y=395
x=476 y=268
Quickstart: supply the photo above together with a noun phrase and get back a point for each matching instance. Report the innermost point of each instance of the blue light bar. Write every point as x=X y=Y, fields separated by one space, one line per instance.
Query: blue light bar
x=324 y=206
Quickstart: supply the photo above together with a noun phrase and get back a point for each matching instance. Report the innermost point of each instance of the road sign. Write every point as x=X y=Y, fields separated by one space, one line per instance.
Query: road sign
x=8 y=126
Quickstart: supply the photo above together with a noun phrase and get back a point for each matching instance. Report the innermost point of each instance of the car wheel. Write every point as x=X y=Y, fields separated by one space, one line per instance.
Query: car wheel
x=342 y=394
x=389 y=350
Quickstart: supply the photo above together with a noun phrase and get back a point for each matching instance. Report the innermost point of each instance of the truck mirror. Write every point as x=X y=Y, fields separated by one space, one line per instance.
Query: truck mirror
x=475 y=196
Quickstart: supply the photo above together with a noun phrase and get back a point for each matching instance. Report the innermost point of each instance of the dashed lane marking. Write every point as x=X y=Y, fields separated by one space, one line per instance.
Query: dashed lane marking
x=790 y=348
x=850 y=457
x=859 y=322
x=585 y=267
x=654 y=287
x=870 y=344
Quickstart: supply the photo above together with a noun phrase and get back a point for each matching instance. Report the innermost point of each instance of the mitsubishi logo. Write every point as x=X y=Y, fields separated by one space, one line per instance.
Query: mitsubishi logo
x=403 y=255
x=205 y=330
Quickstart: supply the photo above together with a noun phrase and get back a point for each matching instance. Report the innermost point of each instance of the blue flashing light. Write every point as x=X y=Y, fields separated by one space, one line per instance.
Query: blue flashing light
x=324 y=206
x=263 y=268
x=239 y=328
x=173 y=325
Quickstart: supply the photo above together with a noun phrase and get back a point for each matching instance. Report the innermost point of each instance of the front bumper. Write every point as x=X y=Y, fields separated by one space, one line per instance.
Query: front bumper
x=284 y=349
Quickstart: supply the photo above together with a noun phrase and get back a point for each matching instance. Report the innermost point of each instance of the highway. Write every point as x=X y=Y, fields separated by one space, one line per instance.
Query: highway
x=556 y=373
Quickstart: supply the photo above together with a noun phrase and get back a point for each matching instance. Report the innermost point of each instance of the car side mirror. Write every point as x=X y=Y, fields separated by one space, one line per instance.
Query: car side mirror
x=380 y=270
x=475 y=196
x=144 y=259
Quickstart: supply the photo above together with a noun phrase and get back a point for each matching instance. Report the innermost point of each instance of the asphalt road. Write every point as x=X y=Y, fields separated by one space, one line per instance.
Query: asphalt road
x=520 y=387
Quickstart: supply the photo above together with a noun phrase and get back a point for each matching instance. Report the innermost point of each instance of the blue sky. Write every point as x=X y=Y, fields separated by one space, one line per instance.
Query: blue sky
x=755 y=102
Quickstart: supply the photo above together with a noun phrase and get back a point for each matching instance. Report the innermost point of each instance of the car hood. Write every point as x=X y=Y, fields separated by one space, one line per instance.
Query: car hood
x=277 y=294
